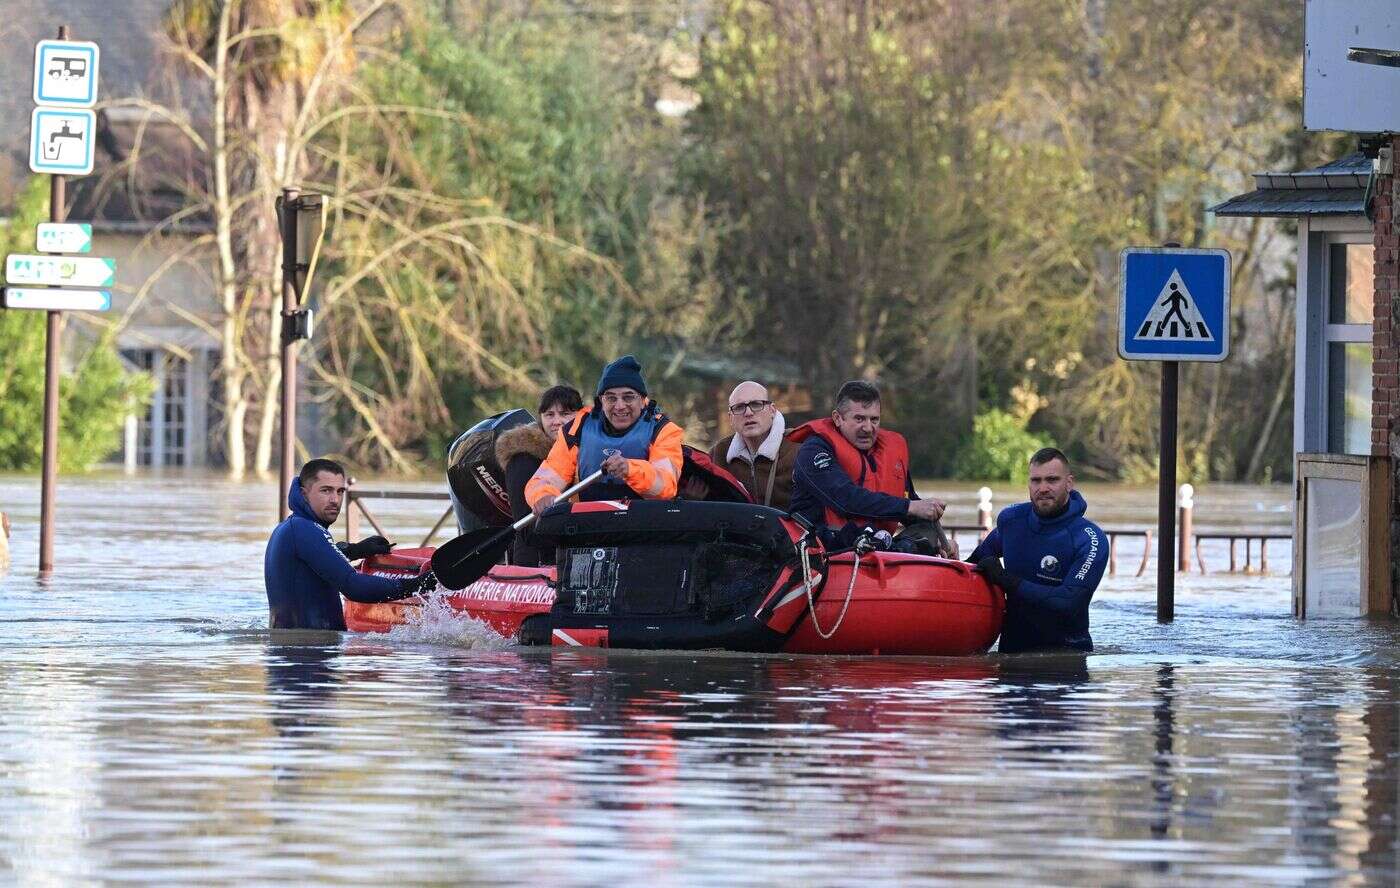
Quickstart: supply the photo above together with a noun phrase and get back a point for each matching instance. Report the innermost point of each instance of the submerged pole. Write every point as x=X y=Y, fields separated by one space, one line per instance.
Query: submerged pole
x=1166 y=499
x=289 y=355
x=53 y=344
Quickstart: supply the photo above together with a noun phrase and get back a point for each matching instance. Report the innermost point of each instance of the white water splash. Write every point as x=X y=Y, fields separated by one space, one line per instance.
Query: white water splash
x=436 y=622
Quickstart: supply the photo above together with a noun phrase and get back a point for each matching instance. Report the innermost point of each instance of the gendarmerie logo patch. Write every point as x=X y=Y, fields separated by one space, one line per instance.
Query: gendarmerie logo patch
x=1049 y=564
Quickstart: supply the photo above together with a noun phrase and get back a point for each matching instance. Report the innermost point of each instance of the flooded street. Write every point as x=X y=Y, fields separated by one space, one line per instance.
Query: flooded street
x=152 y=731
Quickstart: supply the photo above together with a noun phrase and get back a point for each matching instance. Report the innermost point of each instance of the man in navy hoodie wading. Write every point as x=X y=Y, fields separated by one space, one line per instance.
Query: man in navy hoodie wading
x=306 y=573
x=1054 y=559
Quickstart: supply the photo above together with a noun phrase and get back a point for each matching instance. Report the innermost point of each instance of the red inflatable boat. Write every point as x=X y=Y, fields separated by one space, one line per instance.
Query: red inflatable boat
x=699 y=575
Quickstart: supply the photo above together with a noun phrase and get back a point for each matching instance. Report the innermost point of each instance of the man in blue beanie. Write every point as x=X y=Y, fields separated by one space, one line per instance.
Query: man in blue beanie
x=623 y=433
x=1054 y=559
x=306 y=572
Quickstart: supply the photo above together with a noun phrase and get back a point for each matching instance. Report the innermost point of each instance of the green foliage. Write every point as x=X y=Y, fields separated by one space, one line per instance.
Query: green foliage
x=998 y=450
x=94 y=399
x=932 y=194
x=533 y=180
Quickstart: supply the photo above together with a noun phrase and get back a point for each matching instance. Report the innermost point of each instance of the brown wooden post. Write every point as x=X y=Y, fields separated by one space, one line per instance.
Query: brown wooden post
x=352 y=521
x=1184 y=514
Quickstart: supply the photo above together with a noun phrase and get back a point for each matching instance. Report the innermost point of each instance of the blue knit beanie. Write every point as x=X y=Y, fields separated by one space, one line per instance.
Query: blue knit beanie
x=625 y=372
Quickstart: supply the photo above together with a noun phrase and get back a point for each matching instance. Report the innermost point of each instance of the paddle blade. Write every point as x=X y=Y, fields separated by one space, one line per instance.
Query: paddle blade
x=462 y=561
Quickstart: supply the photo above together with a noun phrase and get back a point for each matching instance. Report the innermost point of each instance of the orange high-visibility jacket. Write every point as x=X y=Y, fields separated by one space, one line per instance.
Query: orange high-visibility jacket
x=656 y=477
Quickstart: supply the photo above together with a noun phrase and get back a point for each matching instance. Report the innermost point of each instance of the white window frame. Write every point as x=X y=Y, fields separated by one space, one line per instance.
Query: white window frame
x=1316 y=237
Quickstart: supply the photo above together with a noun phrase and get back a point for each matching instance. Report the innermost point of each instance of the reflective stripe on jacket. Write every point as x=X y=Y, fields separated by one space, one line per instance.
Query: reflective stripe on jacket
x=654 y=475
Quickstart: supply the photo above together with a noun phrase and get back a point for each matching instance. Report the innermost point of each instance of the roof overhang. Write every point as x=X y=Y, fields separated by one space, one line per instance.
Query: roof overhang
x=1338 y=188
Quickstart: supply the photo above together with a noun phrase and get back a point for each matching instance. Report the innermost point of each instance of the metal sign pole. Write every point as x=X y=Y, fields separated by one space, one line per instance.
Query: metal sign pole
x=289 y=355
x=1166 y=499
x=52 y=347
x=1174 y=306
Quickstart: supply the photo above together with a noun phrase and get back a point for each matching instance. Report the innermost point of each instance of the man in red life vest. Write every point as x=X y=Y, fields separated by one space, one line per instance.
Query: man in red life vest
x=851 y=474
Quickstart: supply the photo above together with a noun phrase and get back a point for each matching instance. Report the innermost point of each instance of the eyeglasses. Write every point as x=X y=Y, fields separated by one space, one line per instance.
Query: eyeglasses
x=611 y=400
x=749 y=407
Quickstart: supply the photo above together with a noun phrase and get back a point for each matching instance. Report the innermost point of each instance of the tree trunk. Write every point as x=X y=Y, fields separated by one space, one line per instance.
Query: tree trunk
x=1261 y=445
x=265 y=257
x=230 y=360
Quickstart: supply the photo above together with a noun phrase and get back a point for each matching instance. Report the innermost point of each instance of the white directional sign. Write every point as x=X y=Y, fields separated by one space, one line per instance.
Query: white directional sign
x=60 y=271
x=54 y=299
x=65 y=73
x=61 y=141
x=64 y=237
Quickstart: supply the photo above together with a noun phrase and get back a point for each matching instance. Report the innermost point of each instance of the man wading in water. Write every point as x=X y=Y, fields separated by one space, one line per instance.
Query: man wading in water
x=1054 y=561
x=306 y=573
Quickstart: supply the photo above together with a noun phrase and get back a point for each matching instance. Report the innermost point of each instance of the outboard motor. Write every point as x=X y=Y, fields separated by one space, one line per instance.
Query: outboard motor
x=670 y=574
x=476 y=482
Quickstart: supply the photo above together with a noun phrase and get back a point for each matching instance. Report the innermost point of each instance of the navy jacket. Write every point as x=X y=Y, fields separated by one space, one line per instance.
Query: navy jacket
x=818 y=481
x=306 y=574
x=1059 y=561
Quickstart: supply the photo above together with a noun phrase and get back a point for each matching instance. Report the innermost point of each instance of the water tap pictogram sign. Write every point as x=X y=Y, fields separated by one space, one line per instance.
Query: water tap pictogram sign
x=62 y=141
x=1174 y=305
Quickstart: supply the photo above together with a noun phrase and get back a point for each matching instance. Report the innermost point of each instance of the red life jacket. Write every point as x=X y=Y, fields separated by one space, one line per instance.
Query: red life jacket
x=889 y=474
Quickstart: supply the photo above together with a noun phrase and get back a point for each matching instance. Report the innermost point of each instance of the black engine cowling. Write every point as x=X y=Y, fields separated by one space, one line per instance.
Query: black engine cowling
x=666 y=573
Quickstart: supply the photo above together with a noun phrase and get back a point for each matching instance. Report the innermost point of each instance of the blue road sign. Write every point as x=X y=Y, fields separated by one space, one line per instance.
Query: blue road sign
x=1174 y=304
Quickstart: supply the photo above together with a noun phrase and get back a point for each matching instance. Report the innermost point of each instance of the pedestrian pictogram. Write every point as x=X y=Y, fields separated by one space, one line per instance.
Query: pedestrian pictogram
x=1175 y=315
x=1174 y=305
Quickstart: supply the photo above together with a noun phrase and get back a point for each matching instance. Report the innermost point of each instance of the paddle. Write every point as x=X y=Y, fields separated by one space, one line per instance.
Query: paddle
x=462 y=561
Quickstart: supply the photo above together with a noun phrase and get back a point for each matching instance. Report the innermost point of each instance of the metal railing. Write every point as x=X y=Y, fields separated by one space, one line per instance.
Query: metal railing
x=355 y=501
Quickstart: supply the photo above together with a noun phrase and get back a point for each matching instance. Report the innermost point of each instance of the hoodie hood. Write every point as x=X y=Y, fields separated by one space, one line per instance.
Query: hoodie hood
x=1074 y=509
x=299 y=505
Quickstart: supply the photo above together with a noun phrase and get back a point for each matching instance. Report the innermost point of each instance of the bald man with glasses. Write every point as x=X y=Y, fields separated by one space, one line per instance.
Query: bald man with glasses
x=757 y=453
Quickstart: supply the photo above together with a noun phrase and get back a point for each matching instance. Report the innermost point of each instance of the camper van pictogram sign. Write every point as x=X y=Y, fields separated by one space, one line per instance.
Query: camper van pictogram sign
x=65 y=73
x=1174 y=304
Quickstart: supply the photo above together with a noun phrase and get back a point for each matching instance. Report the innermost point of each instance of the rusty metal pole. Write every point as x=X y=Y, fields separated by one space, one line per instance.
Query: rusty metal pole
x=53 y=342
x=289 y=355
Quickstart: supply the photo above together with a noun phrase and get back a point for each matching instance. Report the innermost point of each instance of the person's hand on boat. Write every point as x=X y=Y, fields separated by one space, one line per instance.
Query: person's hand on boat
x=616 y=466
x=998 y=575
x=542 y=505
x=927 y=509
x=693 y=488
x=374 y=545
x=950 y=551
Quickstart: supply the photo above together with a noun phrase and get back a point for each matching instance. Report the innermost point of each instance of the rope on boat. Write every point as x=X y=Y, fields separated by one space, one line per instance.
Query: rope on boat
x=811 y=601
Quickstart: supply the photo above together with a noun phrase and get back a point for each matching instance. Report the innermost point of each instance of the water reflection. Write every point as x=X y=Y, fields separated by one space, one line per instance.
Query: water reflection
x=152 y=731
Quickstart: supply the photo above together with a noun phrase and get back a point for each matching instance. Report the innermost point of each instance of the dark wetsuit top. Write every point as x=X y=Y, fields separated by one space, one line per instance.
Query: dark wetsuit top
x=306 y=574
x=1059 y=560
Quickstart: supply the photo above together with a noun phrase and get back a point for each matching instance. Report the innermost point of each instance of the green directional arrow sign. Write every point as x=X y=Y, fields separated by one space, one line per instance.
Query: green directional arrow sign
x=60 y=271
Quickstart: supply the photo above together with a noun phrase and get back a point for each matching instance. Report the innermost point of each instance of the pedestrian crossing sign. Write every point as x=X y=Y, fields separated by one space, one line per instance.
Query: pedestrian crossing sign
x=1175 y=304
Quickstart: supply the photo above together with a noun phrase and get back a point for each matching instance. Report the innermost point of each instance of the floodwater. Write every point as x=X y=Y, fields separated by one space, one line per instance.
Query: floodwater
x=153 y=731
